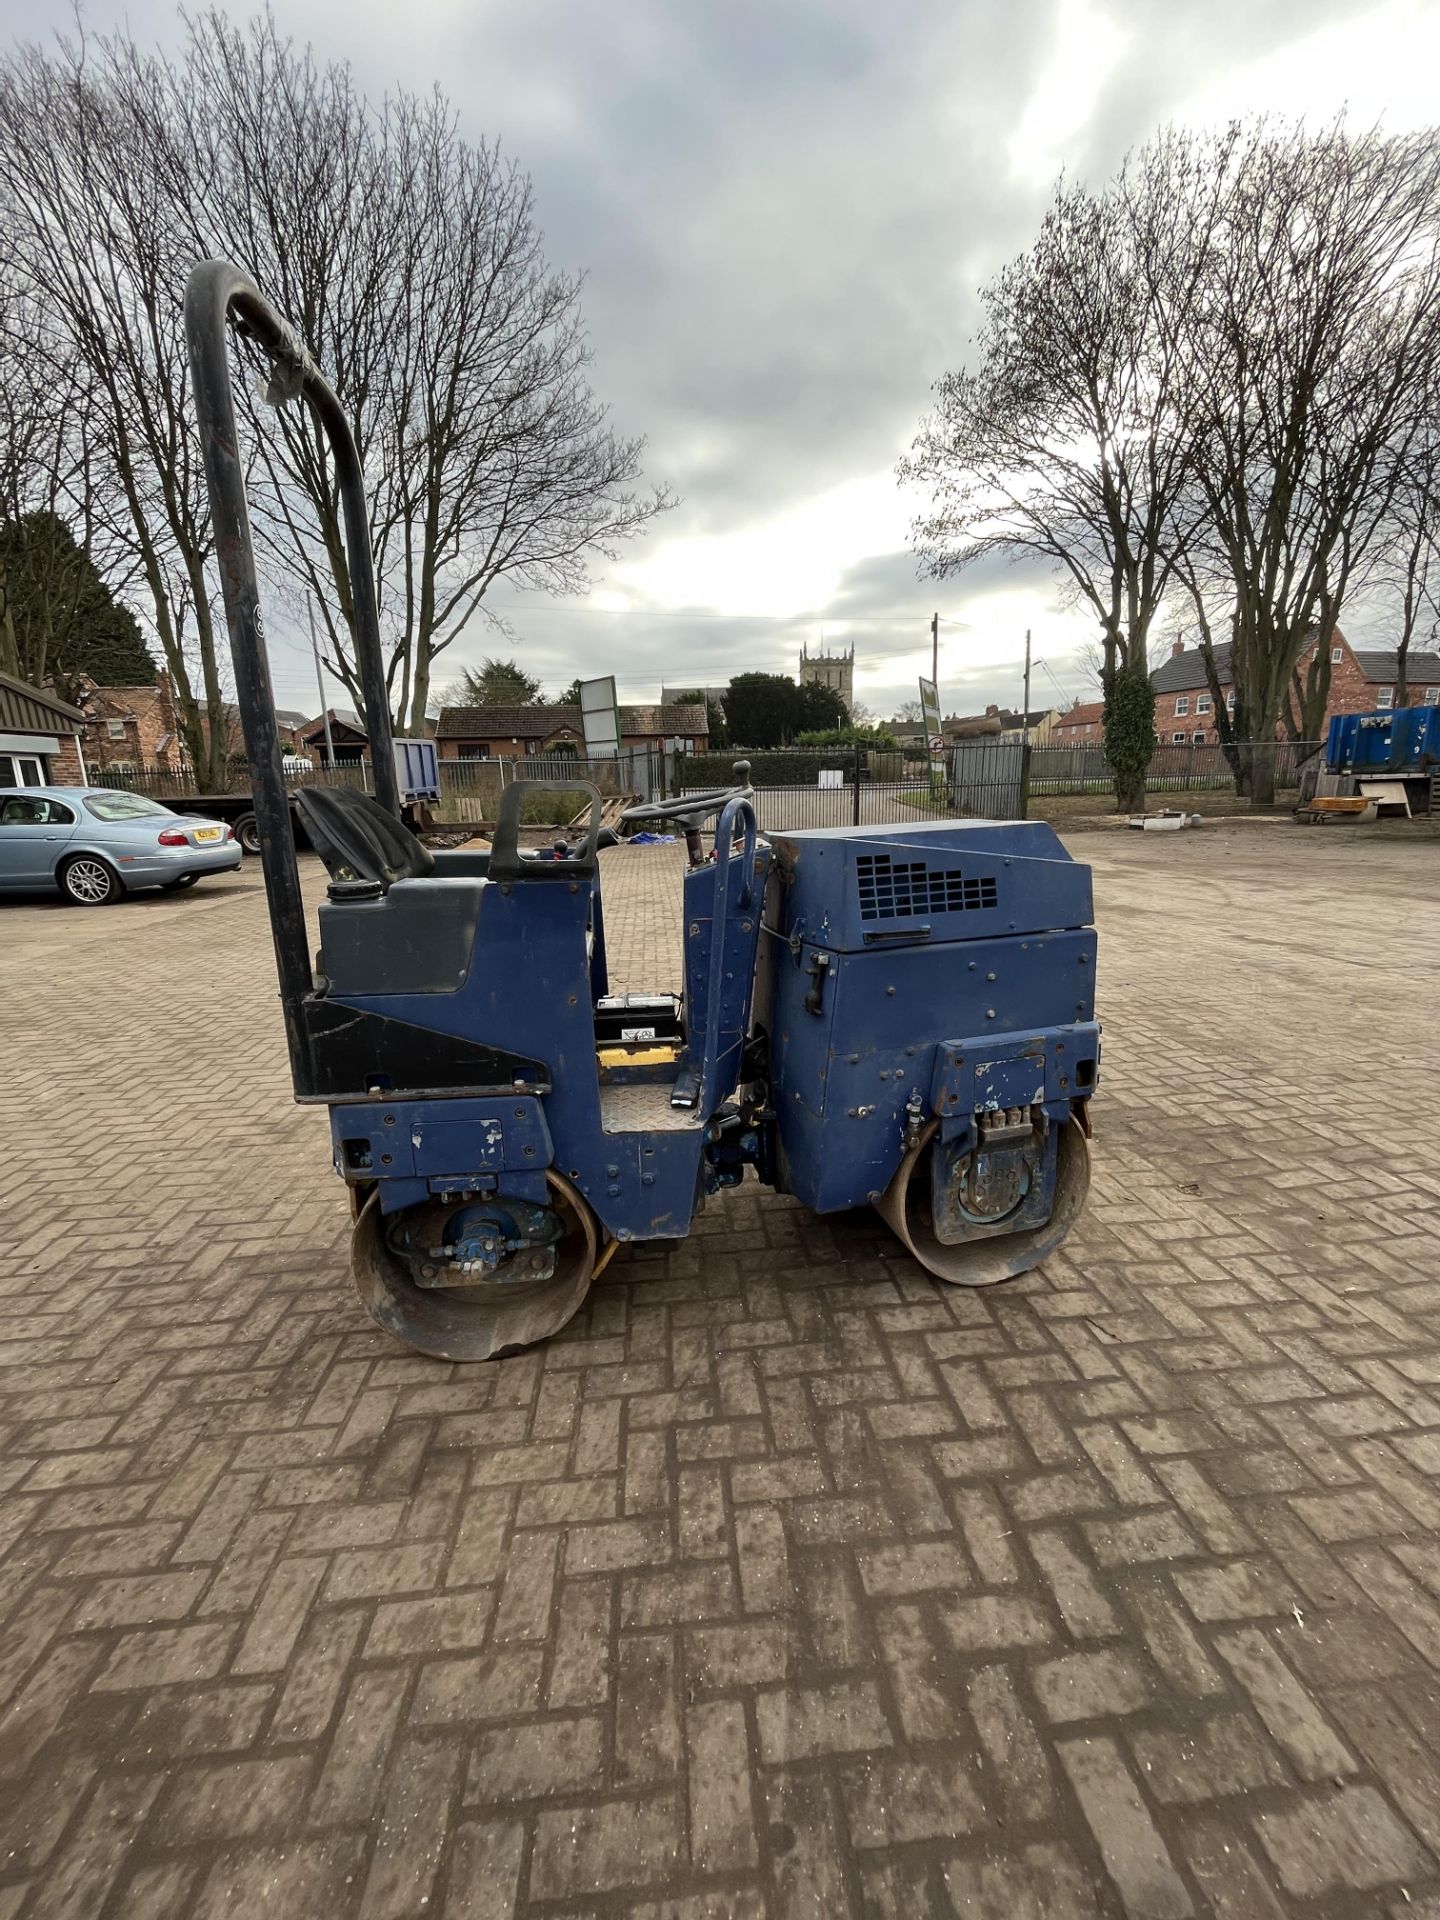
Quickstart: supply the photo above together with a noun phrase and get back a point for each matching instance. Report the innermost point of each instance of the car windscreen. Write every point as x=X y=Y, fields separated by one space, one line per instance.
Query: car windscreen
x=123 y=806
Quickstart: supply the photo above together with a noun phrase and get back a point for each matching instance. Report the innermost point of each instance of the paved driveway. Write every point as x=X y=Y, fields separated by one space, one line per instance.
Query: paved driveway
x=788 y=1582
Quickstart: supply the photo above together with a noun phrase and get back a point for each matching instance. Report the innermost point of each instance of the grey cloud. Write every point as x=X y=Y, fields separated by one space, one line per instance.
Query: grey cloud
x=784 y=209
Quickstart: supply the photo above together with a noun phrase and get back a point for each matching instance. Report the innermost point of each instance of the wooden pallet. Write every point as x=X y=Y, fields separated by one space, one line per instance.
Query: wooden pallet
x=610 y=811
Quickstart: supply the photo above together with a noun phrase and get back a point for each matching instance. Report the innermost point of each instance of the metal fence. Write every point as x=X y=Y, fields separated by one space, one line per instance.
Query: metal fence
x=987 y=779
x=861 y=786
x=1187 y=767
x=470 y=790
x=810 y=787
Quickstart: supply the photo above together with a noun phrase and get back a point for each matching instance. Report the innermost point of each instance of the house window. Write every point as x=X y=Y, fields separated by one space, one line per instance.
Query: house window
x=22 y=770
x=1384 y=698
x=1182 y=705
x=1177 y=739
x=1202 y=703
x=1198 y=739
x=1432 y=695
x=1230 y=701
x=474 y=750
x=115 y=729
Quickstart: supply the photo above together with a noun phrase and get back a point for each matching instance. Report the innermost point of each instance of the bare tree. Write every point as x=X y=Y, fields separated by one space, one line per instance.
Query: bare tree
x=91 y=209
x=1063 y=439
x=60 y=567
x=37 y=455
x=1409 y=570
x=412 y=263
x=1308 y=357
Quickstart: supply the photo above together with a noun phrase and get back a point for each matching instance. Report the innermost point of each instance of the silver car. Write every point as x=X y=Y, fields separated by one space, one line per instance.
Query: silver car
x=95 y=844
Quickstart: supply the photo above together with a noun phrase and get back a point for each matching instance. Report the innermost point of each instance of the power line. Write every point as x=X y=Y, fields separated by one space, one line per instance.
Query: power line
x=1050 y=675
x=829 y=615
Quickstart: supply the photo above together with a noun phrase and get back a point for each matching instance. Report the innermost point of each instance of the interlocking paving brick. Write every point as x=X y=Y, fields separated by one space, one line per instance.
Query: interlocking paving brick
x=1131 y=1845
x=1294 y=1719
x=799 y=1723
x=786 y=1580
x=604 y=1845
x=538 y=1757
x=722 y=1833
x=1093 y=1686
x=1345 y=1838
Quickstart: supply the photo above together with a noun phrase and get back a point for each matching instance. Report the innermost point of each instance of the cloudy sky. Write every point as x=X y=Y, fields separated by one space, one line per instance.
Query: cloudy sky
x=784 y=211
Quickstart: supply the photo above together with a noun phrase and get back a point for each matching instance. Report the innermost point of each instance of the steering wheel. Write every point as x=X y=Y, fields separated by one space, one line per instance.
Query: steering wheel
x=690 y=811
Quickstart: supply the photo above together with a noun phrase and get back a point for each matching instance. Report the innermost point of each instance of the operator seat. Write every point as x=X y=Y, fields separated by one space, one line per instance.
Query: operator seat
x=358 y=839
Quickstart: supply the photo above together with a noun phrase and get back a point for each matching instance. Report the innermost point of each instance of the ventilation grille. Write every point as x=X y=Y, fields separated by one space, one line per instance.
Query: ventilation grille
x=905 y=890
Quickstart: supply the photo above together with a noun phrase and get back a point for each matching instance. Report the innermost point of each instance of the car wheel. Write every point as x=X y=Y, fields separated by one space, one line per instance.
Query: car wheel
x=247 y=832
x=88 y=881
x=179 y=885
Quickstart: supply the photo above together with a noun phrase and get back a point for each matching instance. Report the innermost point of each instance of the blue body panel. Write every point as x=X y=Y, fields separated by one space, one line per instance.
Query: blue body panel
x=1401 y=741
x=855 y=888
x=957 y=941
x=528 y=988
x=535 y=968
x=929 y=973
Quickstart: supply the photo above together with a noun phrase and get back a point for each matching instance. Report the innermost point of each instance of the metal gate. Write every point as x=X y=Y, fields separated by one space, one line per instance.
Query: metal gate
x=986 y=779
x=867 y=786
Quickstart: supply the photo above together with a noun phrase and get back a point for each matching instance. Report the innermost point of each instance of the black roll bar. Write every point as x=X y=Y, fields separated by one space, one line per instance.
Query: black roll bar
x=219 y=293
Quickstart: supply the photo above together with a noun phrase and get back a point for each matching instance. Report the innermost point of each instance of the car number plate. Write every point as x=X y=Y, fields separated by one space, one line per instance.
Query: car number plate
x=207 y=833
x=637 y=1033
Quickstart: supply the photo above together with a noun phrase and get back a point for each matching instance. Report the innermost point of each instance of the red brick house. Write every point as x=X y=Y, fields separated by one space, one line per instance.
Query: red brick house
x=513 y=733
x=132 y=726
x=1082 y=726
x=289 y=720
x=1362 y=679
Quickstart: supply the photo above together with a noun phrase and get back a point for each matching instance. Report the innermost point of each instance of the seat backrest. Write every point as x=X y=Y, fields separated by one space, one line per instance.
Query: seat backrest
x=359 y=839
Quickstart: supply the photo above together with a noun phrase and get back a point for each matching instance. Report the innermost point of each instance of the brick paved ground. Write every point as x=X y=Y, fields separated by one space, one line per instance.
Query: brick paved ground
x=787 y=1582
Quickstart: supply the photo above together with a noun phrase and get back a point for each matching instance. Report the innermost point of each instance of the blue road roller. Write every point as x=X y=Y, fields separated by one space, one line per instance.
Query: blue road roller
x=899 y=1017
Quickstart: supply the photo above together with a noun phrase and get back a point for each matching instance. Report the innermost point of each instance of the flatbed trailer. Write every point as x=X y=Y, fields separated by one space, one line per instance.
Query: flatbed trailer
x=237 y=810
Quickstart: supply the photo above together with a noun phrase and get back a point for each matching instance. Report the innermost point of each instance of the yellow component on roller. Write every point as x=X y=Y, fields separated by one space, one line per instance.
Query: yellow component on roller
x=663 y=1054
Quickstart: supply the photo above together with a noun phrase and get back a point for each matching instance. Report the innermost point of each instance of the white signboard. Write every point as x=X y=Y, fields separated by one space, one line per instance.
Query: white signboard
x=600 y=718
x=934 y=732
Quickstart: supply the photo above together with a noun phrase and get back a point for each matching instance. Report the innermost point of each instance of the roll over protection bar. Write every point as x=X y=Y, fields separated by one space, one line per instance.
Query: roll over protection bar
x=219 y=294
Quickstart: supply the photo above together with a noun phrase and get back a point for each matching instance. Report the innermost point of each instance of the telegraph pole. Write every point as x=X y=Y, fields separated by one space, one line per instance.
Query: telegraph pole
x=935 y=650
x=1025 y=709
x=320 y=684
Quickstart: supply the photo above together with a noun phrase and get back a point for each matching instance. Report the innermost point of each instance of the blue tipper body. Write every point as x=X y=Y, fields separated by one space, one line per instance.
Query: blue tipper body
x=1400 y=741
x=956 y=967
